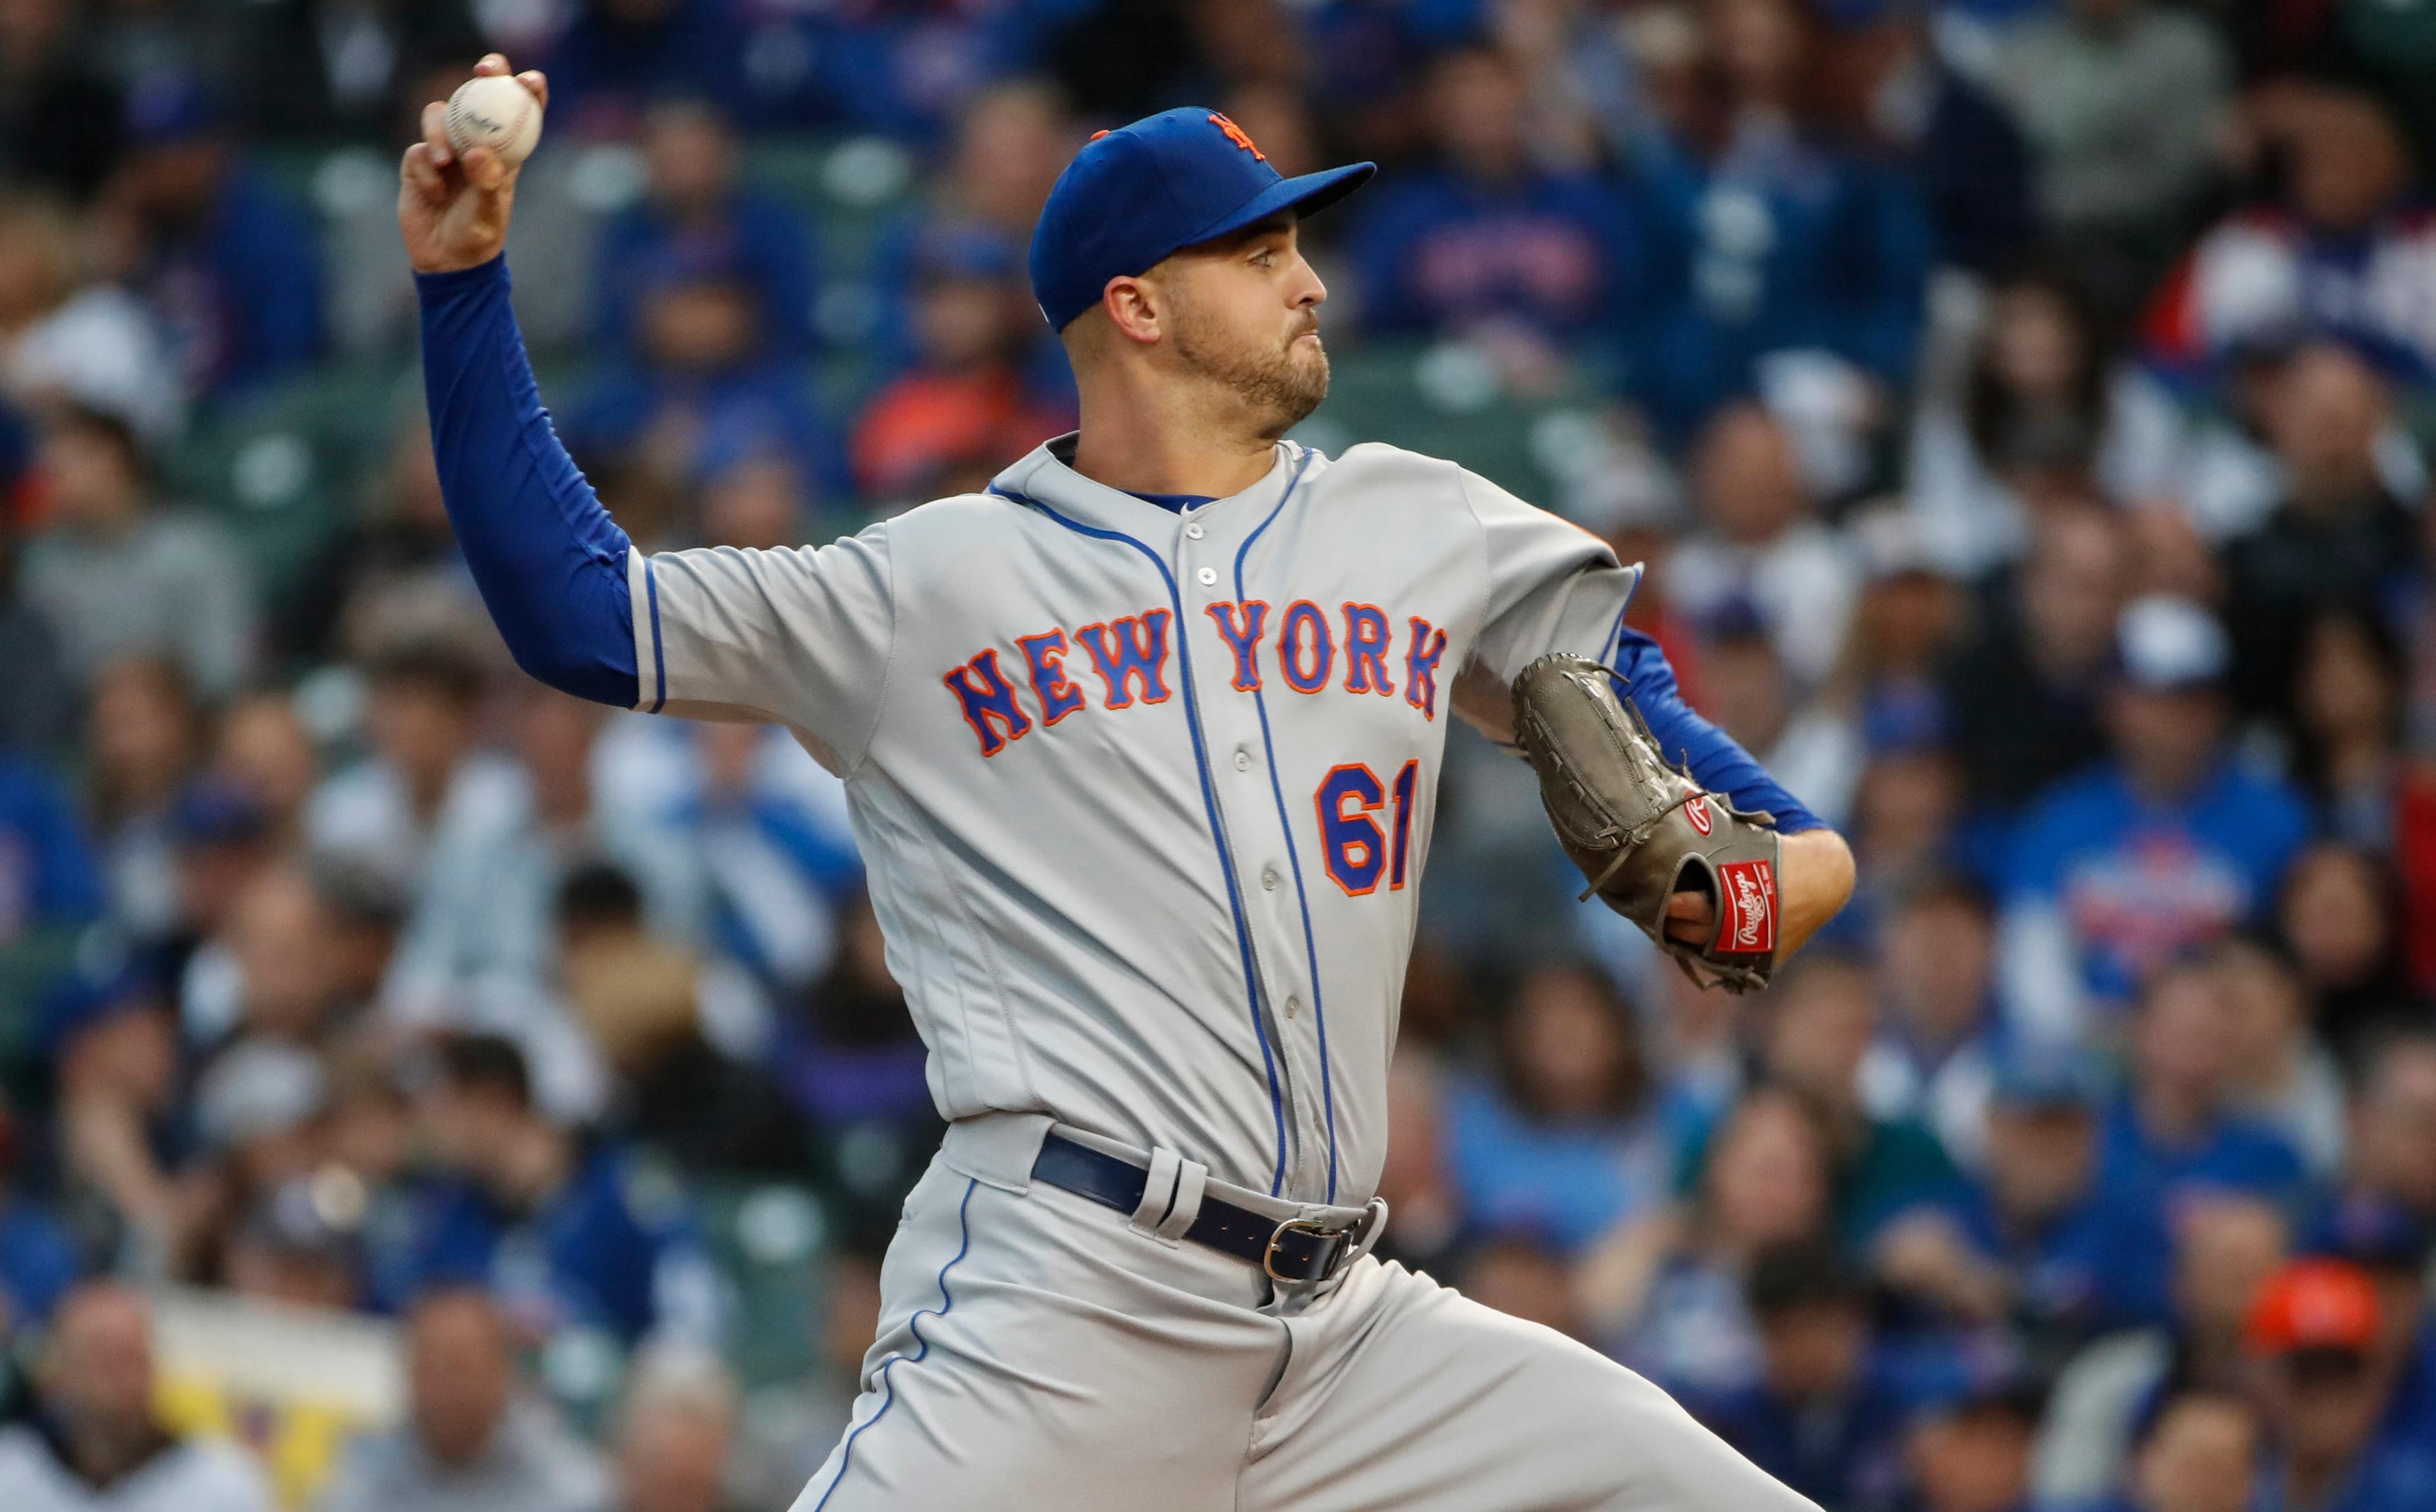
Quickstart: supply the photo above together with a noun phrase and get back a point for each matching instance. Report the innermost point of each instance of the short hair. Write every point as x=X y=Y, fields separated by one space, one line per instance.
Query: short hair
x=1796 y=1277
x=485 y=1062
x=599 y=895
x=431 y=663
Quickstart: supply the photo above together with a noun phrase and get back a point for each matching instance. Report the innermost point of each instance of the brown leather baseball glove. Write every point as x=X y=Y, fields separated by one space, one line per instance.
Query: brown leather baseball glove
x=1643 y=832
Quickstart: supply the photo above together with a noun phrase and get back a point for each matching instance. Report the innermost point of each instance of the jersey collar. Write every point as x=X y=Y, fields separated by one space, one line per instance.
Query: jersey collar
x=1042 y=475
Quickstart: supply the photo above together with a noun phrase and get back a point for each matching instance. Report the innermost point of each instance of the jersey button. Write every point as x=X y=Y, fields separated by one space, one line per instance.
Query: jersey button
x=1269 y=879
x=1208 y=576
x=1193 y=533
x=1294 y=1007
x=1242 y=760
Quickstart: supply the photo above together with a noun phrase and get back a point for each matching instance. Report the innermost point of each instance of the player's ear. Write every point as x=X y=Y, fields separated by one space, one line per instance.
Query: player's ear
x=1135 y=308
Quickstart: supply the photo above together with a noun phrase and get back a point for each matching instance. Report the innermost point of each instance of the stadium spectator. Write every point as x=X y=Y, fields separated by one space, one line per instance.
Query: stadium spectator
x=2223 y=1251
x=473 y=1441
x=482 y=911
x=2347 y=700
x=1012 y=140
x=263 y=755
x=1755 y=697
x=2393 y=1126
x=1481 y=241
x=2337 y=919
x=116 y=574
x=227 y=263
x=1825 y=1417
x=1816 y=1041
x=611 y=1227
x=145 y=735
x=1763 y=548
x=1559 y=1138
x=2198 y=1454
x=676 y=1434
x=113 y=1048
x=2335 y=255
x=95 y=1443
x=2176 y=1133
x=1771 y=241
x=947 y=423
x=220 y=844
x=2337 y=540
x=676 y=1032
x=2282 y=1077
x=2122 y=102
x=2166 y=847
x=694 y=212
x=1934 y=1055
x=2027 y=1241
x=1893 y=83
x=424 y=780
x=2316 y=1326
x=2023 y=691
x=1969 y=1450
x=67 y=338
x=2042 y=414
x=1665 y=1294
x=703 y=384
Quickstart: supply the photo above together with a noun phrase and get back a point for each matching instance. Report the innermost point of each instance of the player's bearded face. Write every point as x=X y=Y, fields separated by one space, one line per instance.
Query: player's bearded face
x=1269 y=357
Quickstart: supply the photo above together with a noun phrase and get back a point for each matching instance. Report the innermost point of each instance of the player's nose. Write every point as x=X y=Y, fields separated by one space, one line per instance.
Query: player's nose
x=1309 y=292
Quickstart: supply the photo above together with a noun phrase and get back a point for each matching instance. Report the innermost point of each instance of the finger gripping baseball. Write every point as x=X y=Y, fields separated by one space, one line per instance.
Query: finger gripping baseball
x=1640 y=830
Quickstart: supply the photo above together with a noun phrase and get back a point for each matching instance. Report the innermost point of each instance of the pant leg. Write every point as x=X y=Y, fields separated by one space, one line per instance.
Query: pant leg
x=1035 y=1351
x=1404 y=1396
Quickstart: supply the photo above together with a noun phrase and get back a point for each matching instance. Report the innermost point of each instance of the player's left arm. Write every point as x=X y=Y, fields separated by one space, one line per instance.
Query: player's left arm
x=1553 y=586
x=1816 y=875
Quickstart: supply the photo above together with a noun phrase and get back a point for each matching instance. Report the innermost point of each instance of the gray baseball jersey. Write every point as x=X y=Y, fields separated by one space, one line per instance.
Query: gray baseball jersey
x=1145 y=796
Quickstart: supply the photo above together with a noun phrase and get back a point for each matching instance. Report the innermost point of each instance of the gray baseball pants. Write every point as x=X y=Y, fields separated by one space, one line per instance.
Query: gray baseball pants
x=1038 y=1350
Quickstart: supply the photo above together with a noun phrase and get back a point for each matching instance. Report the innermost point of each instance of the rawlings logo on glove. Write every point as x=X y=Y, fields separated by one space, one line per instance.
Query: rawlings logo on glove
x=1643 y=832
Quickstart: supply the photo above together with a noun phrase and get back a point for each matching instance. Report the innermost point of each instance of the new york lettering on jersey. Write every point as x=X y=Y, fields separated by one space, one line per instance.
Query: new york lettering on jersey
x=1148 y=794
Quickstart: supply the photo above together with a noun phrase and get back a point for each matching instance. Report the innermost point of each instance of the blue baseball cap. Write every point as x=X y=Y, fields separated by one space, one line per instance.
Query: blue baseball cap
x=1170 y=181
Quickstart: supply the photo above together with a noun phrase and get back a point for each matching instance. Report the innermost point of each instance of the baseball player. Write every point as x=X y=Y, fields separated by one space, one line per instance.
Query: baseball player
x=1142 y=749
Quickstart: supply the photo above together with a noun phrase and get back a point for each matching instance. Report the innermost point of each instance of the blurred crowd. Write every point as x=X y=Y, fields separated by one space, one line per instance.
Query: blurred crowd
x=2023 y=406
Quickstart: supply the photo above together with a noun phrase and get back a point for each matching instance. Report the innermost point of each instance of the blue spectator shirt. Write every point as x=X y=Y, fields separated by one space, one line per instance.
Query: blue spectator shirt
x=2138 y=882
x=618 y=1247
x=47 y=874
x=1779 y=244
x=2144 y=1184
x=38 y=1263
x=2064 y=1270
x=1438 y=254
x=756 y=236
x=1570 y=1183
x=241 y=294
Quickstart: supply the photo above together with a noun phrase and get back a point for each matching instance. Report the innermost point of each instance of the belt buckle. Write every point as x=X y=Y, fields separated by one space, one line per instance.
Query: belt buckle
x=1303 y=1226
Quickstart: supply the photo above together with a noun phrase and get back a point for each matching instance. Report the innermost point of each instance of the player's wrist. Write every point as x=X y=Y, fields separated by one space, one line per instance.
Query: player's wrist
x=452 y=278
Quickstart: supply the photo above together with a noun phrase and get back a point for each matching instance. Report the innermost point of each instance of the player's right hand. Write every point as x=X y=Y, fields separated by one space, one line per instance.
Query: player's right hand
x=453 y=209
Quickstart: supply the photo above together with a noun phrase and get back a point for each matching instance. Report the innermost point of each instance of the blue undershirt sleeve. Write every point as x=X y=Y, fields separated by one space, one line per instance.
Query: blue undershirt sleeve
x=1715 y=760
x=550 y=560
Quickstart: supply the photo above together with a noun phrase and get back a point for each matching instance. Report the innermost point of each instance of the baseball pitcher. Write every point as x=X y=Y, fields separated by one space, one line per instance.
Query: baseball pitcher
x=1143 y=748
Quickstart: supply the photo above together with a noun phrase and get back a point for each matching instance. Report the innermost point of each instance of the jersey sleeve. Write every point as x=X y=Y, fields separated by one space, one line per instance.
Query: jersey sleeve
x=1550 y=586
x=1553 y=586
x=801 y=636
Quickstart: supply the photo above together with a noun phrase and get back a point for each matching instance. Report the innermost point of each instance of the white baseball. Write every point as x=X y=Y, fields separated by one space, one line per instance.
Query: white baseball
x=495 y=112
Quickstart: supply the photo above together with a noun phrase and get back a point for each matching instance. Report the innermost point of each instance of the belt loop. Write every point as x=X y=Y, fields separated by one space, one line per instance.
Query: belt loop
x=1191 y=1180
x=1158 y=1191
